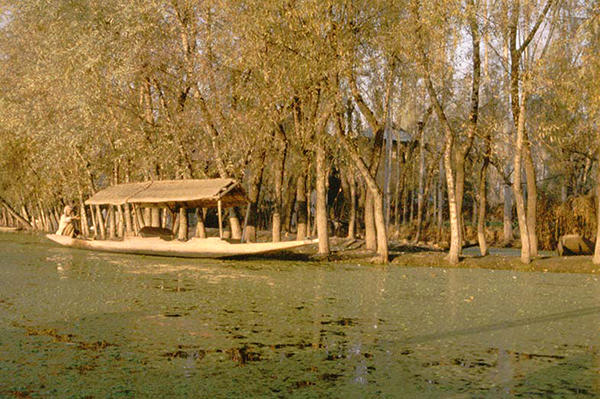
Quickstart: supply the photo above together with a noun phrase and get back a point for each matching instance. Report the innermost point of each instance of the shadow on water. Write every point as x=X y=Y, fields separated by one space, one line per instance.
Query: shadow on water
x=504 y=325
x=286 y=256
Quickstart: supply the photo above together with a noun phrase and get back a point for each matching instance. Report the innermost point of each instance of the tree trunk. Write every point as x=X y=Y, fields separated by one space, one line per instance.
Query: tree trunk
x=352 y=211
x=420 y=193
x=370 y=233
x=483 y=249
x=128 y=219
x=460 y=195
x=517 y=45
x=508 y=235
x=253 y=196
x=176 y=225
x=405 y=200
x=531 y=196
x=472 y=125
x=14 y=213
x=234 y=224
x=163 y=217
x=301 y=207
x=94 y=224
x=9 y=217
x=518 y=191
x=26 y=215
x=278 y=203
x=43 y=217
x=276 y=227
x=373 y=188
x=411 y=207
x=311 y=224
x=120 y=222
x=51 y=224
x=183 y=224
x=399 y=184
x=56 y=217
x=455 y=244
x=139 y=217
x=200 y=228
x=100 y=221
x=321 y=216
x=46 y=221
x=596 y=258
x=290 y=205
x=382 y=245
x=85 y=229
x=440 y=200
x=112 y=223
x=252 y=221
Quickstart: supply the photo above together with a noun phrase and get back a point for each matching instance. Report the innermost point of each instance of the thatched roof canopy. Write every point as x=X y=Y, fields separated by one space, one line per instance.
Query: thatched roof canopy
x=117 y=195
x=174 y=193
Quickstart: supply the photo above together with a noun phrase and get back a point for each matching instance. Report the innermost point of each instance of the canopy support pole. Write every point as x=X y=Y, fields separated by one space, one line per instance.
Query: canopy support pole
x=245 y=222
x=220 y=220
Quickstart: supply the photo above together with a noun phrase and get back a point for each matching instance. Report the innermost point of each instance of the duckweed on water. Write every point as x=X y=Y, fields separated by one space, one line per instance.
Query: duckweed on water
x=83 y=324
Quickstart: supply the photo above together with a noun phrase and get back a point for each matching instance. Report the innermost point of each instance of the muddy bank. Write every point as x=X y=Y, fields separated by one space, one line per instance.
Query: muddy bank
x=554 y=264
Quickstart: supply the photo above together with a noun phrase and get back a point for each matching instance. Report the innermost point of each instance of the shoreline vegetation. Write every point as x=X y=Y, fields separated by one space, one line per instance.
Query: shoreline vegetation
x=407 y=254
x=445 y=122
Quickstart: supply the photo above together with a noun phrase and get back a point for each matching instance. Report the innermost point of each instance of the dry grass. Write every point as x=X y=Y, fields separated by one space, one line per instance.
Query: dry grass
x=576 y=216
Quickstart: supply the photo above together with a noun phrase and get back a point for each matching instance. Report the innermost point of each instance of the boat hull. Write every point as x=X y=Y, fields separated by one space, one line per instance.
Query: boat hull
x=212 y=247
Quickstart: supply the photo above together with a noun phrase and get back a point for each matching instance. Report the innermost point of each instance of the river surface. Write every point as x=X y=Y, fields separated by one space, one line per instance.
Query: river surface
x=77 y=324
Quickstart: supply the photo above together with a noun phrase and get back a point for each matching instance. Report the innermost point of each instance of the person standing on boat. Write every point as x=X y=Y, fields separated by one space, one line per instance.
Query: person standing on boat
x=65 y=225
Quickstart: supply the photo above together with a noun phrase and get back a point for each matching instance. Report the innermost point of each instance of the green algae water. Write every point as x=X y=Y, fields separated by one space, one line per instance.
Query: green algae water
x=77 y=324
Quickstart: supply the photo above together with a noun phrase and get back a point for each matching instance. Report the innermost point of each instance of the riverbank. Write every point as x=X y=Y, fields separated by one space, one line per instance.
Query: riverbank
x=413 y=255
x=404 y=253
x=545 y=264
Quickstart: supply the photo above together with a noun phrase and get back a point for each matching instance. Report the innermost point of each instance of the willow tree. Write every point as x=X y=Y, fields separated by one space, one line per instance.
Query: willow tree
x=525 y=27
x=455 y=171
x=584 y=90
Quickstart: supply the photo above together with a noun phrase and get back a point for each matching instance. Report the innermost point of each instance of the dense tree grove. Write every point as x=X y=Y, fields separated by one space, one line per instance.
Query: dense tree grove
x=379 y=119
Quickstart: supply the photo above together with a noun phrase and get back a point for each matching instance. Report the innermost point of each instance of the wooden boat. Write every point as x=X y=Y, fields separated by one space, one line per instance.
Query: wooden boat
x=176 y=194
x=212 y=247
